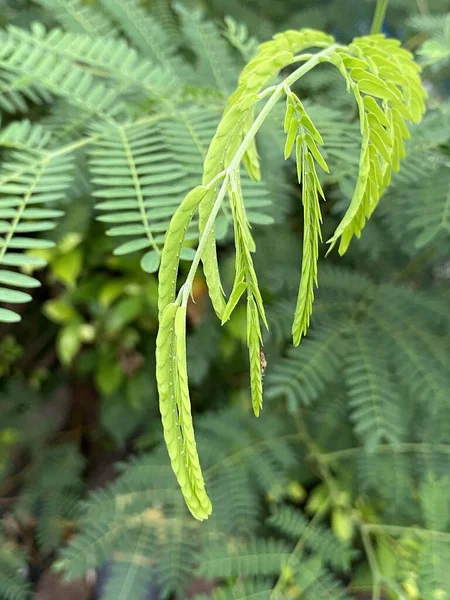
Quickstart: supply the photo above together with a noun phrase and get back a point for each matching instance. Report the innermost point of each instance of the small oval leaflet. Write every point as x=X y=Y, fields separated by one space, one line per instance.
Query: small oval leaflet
x=187 y=254
x=150 y=261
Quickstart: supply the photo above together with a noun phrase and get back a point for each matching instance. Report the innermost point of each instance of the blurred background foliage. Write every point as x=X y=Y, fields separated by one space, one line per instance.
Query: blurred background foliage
x=341 y=489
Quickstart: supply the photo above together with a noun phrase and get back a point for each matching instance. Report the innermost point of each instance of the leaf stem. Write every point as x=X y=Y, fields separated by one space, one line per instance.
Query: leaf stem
x=422 y=5
x=398 y=530
x=137 y=188
x=278 y=592
x=406 y=447
x=373 y=563
x=378 y=17
x=21 y=208
x=235 y=162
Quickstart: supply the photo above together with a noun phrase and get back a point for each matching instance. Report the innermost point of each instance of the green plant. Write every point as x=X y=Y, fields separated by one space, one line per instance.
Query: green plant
x=340 y=487
x=373 y=68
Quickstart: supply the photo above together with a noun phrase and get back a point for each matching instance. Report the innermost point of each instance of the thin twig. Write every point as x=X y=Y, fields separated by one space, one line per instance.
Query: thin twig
x=378 y=17
x=373 y=563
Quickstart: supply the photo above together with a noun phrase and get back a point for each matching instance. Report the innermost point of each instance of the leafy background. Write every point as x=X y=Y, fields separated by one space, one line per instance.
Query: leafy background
x=341 y=489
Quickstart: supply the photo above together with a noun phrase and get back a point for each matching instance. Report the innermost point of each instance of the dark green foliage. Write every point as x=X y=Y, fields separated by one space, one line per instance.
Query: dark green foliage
x=13 y=572
x=52 y=493
x=316 y=539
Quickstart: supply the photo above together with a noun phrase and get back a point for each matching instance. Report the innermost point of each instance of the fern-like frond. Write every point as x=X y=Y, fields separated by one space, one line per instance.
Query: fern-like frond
x=435 y=500
x=239 y=37
x=393 y=474
x=315 y=582
x=235 y=493
x=258 y=557
x=373 y=396
x=162 y=11
x=130 y=573
x=190 y=130
x=52 y=492
x=13 y=572
x=258 y=22
x=68 y=123
x=254 y=589
x=147 y=35
x=434 y=574
x=215 y=65
x=343 y=283
x=418 y=371
x=278 y=247
x=29 y=55
x=259 y=454
x=341 y=291
x=142 y=499
x=317 y=539
x=341 y=142
x=329 y=421
x=424 y=209
x=376 y=69
x=146 y=188
x=232 y=448
x=31 y=177
x=242 y=460
x=16 y=94
x=78 y=17
x=423 y=149
x=301 y=132
x=24 y=135
x=404 y=304
x=304 y=374
x=389 y=475
x=107 y=58
x=425 y=205
x=134 y=569
x=369 y=74
x=434 y=52
x=95 y=545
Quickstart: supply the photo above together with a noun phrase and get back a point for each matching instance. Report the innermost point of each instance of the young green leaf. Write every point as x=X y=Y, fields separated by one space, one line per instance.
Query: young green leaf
x=254 y=349
x=311 y=237
x=234 y=298
x=170 y=256
x=199 y=503
x=173 y=413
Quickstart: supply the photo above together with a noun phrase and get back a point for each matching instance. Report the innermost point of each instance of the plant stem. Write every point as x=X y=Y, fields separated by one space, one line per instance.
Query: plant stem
x=294 y=560
x=378 y=17
x=373 y=563
x=235 y=162
x=422 y=5
x=314 y=453
x=402 y=530
x=387 y=448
